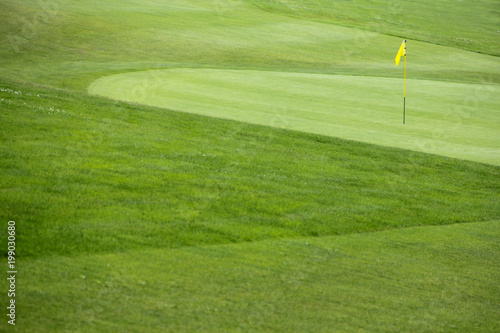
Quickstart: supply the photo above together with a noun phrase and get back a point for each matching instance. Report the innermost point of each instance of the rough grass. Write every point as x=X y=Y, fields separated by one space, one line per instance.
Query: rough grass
x=106 y=176
x=423 y=279
x=133 y=218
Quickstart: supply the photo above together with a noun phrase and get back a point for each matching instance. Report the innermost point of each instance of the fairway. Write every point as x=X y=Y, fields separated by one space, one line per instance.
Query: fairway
x=452 y=119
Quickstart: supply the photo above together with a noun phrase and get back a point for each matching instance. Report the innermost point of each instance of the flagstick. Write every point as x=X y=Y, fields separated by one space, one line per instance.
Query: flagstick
x=404 y=88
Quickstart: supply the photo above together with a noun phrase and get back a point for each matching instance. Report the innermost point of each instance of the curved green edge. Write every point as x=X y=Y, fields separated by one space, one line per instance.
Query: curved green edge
x=458 y=120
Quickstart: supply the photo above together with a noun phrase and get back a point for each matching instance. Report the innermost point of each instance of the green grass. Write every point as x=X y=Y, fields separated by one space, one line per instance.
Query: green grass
x=135 y=218
x=119 y=177
x=156 y=194
x=423 y=279
x=75 y=44
x=440 y=117
x=466 y=25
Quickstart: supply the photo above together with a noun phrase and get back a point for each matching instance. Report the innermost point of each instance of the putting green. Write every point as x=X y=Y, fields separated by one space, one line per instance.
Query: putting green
x=453 y=119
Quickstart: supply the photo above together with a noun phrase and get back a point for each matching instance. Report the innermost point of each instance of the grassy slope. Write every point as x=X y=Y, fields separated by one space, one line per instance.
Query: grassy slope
x=117 y=177
x=431 y=279
x=113 y=227
x=466 y=25
x=451 y=119
x=74 y=44
x=83 y=175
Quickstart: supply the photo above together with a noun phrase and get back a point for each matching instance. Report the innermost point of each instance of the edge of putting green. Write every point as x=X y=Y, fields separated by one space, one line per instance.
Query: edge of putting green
x=452 y=119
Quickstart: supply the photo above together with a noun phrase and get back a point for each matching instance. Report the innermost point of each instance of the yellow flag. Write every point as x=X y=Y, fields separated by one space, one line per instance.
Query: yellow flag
x=401 y=52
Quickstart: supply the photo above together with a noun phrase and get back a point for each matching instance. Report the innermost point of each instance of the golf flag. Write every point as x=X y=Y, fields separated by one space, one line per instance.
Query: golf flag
x=401 y=52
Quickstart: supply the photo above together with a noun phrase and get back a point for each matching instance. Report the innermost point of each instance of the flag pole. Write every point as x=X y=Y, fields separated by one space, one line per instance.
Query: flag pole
x=404 y=87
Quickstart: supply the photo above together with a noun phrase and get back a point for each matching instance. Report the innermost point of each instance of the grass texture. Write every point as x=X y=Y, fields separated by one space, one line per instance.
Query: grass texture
x=440 y=116
x=120 y=177
x=422 y=279
x=133 y=217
